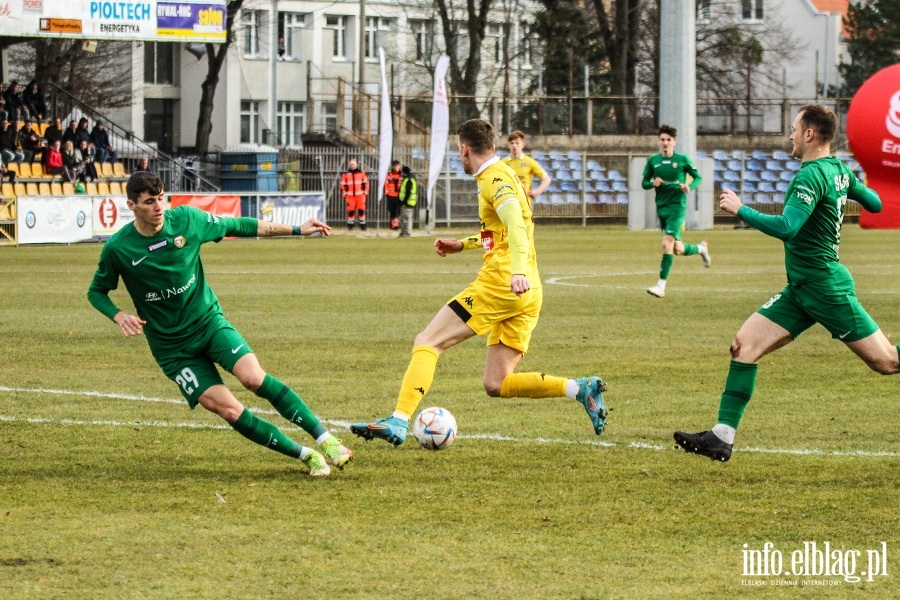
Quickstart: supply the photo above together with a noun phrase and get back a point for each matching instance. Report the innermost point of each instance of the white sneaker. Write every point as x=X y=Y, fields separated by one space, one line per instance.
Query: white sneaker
x=703 y=251
x=657 y=291
x=317 y=465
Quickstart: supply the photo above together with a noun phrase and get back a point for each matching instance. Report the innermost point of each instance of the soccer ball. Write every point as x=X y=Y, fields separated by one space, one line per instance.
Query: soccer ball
x=435 y=428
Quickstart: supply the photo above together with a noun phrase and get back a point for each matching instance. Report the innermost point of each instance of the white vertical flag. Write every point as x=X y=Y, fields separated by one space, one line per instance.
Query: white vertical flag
x=385 y=131
x=440 y=128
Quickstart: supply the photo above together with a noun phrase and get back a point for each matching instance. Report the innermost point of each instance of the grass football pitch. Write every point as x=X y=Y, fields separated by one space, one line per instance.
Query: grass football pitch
x=110 y=487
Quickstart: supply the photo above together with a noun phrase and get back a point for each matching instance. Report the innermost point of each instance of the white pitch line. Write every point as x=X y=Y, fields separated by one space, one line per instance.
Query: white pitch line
x=345 y=425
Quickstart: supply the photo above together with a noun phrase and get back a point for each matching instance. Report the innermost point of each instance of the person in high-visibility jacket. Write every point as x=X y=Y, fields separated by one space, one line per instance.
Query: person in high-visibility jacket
x=408 y=197
x=392 y=193
x=355 y=187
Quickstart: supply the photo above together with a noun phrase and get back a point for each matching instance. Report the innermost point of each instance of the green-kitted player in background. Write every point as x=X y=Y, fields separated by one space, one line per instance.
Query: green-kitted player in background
x=667 y=172
x=158 y=258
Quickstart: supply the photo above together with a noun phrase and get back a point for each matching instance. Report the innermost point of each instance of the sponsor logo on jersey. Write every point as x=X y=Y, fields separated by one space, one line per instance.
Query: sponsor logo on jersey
x=666 y=162
x=674 y=165
x=180 y=241
x=169 y=292
x=487 y=241
x=804 y=188
x=152 y=297
x=135 y=263
x=805 y=197
x=497 y=180
x=158 y=245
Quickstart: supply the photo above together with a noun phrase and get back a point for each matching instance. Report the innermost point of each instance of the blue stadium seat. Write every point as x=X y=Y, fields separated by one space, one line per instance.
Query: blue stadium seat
x=718 y=166
x=564 y=176
x=719 y=155
x=593 y=165
x=754 y=165
x=542 y=199
x=751 y=176
x=734 y=165
x=737 y=154
x=553 y=187
x=575 y=165
x=603 y=185
x=538 y=155
x=759 y=154
x=606 y=199
x=597 y=174
x=589 y=186
x=592 y=199
x=573 y=155
x=731 y=176
x=621 y=198
x=557 y=164
x=780 y=155
x=773 y=165
x=730 y=185
x=568 y=186
x=573 y=198
x=792 y=165
x=768 y=176
x=766 y=186
x=781 y=186
x=555 y=155
x=762 y=199
x=461 y=175
x=778 y=199
x=701 y=154
x=786 y=175
x=749 y=187
x=615 y=176
x=619 y=186
x=557 y=199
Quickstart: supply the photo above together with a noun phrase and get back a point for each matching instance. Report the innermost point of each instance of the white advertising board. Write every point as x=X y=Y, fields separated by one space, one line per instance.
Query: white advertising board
x=54 y=219
x=111 y=213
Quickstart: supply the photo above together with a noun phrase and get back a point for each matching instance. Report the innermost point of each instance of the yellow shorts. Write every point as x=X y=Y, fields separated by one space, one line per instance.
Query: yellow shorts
x=488 y=308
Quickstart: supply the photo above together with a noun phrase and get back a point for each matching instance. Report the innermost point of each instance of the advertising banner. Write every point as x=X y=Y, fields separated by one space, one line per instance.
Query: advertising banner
x=385 y=131
x=216 y=204
x=440 y=130
x=60 y=219
x=111 y=213
x=292 y=210
x=184 y=20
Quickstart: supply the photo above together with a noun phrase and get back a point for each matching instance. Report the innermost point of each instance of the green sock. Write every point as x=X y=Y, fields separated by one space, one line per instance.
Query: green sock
x=738 y=390
x=265 y=434
x=689 y=249
x=290 y=406
x=665 y=266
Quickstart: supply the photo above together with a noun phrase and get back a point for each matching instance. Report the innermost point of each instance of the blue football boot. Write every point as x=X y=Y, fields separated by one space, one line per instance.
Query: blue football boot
x=590 y=394
x=391 y=430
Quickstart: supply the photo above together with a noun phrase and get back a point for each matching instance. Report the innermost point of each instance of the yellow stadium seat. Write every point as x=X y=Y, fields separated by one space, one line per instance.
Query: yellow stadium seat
x=106 y=170
x=43 y=189
x=115 y=188
x=14 y=167
x=68 y=189
x=119 y=170
x=56 y=189
x=103 y=188
x=31 y=189
x=37 y=170
x=42 y=128
x=24 y=170
x=20 y=190
x=8 y=191
x=91 y=188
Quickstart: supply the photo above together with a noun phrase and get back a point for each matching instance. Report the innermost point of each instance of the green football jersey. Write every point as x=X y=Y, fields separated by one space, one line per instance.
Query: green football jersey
x=673 y=171
x=820 y=189
x=164 y=274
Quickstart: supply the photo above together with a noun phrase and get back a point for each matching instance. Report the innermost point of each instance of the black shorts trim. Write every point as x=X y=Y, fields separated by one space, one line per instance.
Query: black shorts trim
x=460 y=311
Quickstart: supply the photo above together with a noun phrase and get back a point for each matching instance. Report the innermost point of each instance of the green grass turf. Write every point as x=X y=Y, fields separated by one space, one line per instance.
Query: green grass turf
x=105 y=498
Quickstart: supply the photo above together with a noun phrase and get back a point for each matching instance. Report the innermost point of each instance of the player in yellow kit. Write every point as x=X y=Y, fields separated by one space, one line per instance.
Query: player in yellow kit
x=503 y=302
x=525 y=167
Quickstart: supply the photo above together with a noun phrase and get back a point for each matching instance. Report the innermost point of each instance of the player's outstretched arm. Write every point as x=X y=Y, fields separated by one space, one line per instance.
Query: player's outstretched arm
x=784 y=226
x=267 y=229
x=445 y=246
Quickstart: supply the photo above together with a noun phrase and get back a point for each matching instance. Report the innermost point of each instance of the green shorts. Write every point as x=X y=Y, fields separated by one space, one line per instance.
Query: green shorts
x=836 y=307
x=193 y=366
x=671 y=220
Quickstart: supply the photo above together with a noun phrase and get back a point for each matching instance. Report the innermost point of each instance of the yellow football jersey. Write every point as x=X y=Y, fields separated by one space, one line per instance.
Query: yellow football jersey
x=497 y=185
x=526 y=168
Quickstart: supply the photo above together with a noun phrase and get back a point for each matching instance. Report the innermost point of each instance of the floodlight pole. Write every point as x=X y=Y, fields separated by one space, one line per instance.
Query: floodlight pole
x=678 y=71
x=273 y=76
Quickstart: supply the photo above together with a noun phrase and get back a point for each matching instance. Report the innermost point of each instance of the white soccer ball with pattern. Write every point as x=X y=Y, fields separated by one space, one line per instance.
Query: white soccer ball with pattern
x=434 y=428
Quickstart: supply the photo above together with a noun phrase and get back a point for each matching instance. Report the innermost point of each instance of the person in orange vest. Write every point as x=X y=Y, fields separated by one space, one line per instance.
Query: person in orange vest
x=392 y=193
x=355 y=187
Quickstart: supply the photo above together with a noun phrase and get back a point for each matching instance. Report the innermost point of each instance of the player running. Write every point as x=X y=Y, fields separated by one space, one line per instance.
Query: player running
x=503 y=302
x=819 y=289
x=158 y=258
x=525 y=167
x=667 y=173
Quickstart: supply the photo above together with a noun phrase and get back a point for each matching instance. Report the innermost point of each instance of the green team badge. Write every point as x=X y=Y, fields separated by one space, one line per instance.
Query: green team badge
x=674 y=165
x=180 y=241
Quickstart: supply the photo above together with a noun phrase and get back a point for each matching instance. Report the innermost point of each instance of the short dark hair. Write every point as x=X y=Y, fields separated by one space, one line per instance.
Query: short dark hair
x=477 y=134
x=516 y=135
x=406 y=170
x=395 y=163
x=820 y=119
x=143 y=181
x=668 y=130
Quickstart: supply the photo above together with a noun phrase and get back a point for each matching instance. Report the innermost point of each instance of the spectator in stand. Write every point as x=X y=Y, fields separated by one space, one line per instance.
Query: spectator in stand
x=71 y=133
x=88 y=169
x=392 y=193
x=143 y=164
x=9 y=143
x=53 y=163
x=355 y=187
x=30 y=140
x=83 y=133
x=13 y=97
x=100 y=138
x=4 y=114
x=33 y=99
x=71 y=158
x=54 y=132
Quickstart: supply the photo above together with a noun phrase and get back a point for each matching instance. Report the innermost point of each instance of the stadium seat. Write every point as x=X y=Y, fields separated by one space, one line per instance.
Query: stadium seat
x=603 y=186
x=615 y=176
x=576 y=165
x=115 y=188
x=619 y=186
x=590 y=187
x=762 y=199
x=557 y=199
x=621 y=198
x=418 y=153
x=734 y=165
x=573 y=155
x=759 y=155
x=731 y=176
x=8 y=191
x=103 y=188
x=20 y=190
x=754 y=165
x=768 y=176
x=568 y=186
x=749 y=187
x=718 y=166
x=573 y=198
x=14 y=167
x=606 y=199
x=538 y=155
x=701 y=154
x=556 y=155
x=786 y=175
x=781 y=186
x=542 y=199
x=593 y=165
x=780 y=155
x=553 y=187
x=37 y=170
x=564 y=175
x=91 y=188
x=557 y=164
x=68 y=189
x=596 y=174
x=592 y=199
x=737 y=154
x=792 y=165
x=42 y=128
x=24 y=169
x=751 y=176
x=773 y=165
x=766 y=186
x=106 y=170
x=719 y=155
x=55 y=189
x=43 y=189
x=778 y=199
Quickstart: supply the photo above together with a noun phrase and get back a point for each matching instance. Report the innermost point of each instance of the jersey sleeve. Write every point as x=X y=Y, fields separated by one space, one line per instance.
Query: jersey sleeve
x=210 y=228
x=647 y=180
x=867 y=197
x=504 y=199
x=691 y=170
x=805 y=191
x=106 y=279
x=536 y=169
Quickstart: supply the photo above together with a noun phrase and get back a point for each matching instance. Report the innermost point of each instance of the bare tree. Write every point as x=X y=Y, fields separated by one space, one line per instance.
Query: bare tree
x=464 y=38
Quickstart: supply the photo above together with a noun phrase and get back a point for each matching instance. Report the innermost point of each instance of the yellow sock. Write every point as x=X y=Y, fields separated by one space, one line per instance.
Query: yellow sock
x=533 y=385
x=417 y=380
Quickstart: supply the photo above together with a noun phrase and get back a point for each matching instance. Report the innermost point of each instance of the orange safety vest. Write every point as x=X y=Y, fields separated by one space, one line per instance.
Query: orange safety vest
x=355 y=183
x=392 y=183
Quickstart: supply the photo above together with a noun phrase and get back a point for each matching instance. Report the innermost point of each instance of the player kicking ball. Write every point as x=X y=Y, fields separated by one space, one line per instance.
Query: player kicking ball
x=503 y=302
x=158 y=258
x=819 y=289
x=667 y=172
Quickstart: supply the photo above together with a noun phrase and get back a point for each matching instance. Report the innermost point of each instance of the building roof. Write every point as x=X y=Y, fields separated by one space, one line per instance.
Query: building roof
x=831 y=6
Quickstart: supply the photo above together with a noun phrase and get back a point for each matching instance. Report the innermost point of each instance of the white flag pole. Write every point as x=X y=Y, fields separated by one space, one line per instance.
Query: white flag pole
x=440 y=130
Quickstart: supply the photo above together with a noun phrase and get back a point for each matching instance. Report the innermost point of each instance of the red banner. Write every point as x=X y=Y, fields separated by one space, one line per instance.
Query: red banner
x=873 y=128
x=221 y=206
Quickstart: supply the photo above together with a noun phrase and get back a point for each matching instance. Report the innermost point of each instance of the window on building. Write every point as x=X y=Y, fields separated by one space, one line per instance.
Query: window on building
x=527 y=44
x=339 y=25
x=498 y=32
x=329 y=110
x=752 y=10
x=249 y=122
x=422 y=32
x=289 y=27
x=704 y=10
x=159 y=62
x=375 y=28
x=255 y=26
x=291 y=123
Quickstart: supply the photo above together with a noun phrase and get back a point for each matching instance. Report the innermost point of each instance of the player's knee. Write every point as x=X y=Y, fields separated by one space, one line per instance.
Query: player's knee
x=230 y=413
x=252 y=381
x=492 y=388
